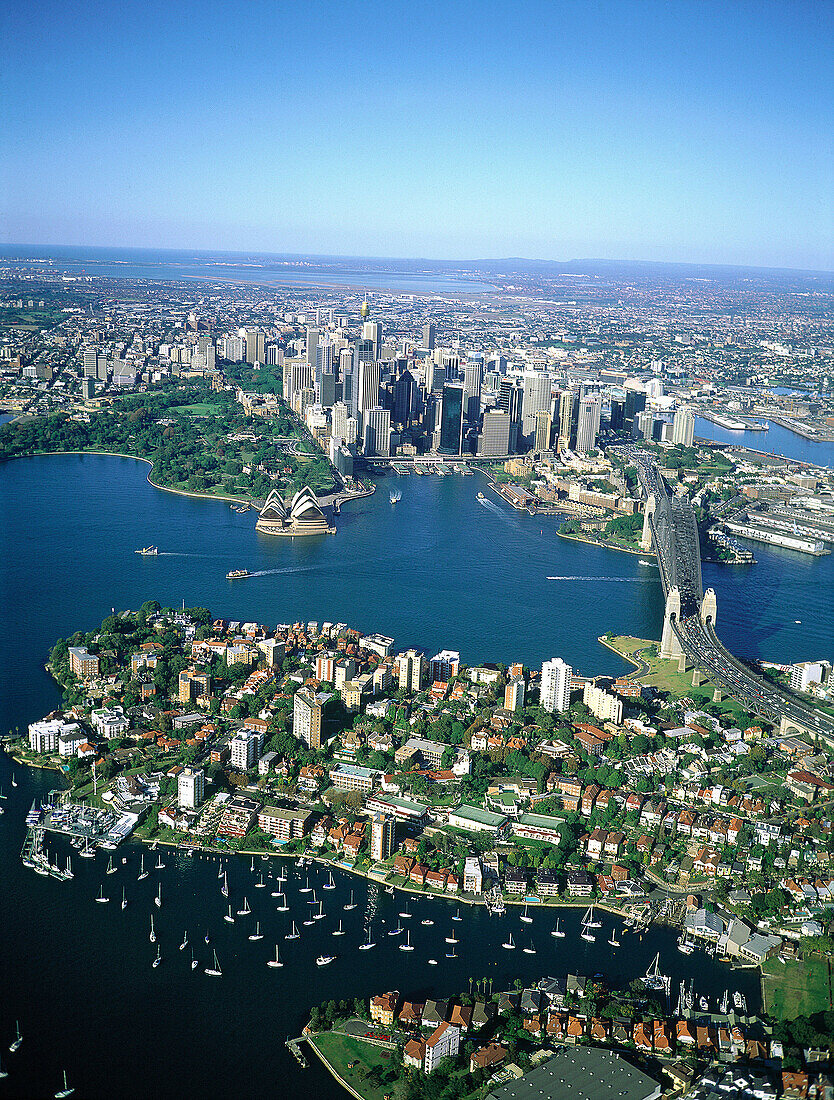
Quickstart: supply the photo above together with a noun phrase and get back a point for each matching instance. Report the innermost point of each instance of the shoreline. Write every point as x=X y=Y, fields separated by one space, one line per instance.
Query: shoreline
x=327 y=1065
x=604 y=545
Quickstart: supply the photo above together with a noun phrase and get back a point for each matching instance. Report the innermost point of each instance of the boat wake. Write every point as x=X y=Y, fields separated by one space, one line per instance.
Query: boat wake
x=618 y=580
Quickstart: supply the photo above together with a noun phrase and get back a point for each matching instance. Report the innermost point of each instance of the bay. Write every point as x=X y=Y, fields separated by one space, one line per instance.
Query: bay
x=438 y=569
x=776 y=440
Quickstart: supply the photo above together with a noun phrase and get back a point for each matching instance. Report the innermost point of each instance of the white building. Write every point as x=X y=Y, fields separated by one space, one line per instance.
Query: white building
x=806 y=673
x=603 y=704
x=191 y=788
x=444 y=1043
x=109 y=721
x=588 y=426
x=555 y=689
x=683 y=427
x=383 y=829
x=473 y=879
x=45 y=736
x=246 y=747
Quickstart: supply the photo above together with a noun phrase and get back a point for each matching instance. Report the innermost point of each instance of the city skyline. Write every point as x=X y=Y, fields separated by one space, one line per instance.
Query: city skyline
x=628 y=132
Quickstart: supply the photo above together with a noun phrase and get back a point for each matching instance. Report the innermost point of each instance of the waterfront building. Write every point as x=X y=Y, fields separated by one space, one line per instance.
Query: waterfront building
x=84 y=665
x=581 y=1073
x=239 y=815
x=451 y=419
x=191 y=788
x=602 y=704
x=443 y=1043
x=444 y=665
x=475 y=820
x=472 y=390
x=544 y=431
x=376 y=432
x=555 y=685
x=50 y=736
x=109 y=722
x=494 y=438
x=683 y=427
x=284 y=824
x=382 y=836
x=473 y=879
x=368 y=386
x=303 y=517
x=411 y=670
x=308 y=708
x=568 y=416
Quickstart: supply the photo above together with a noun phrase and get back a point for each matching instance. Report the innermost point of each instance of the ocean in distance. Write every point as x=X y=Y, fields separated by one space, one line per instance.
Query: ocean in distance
x=438 y=569
x=407 y=277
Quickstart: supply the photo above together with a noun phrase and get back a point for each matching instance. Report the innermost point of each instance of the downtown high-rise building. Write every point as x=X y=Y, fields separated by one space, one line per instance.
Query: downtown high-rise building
x=494 y=438
x=368 y=388
x=588 y=425
x=451 y=419
x=472 y=372
x=536 y=397
x=683 y=427
x=555 y=685
x=376 y=432
x=429 y=335
x=254 y=345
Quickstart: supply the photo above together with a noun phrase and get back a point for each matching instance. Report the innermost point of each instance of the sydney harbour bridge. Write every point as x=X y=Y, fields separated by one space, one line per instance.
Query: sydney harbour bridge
x=671 y=531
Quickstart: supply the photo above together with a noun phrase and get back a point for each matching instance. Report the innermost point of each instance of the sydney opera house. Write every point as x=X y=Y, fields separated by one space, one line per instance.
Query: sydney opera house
x=302 y=517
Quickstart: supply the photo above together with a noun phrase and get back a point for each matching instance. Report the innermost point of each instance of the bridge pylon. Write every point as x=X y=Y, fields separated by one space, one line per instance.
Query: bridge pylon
x=648 y=512
x=669 y=644
x=709 y=607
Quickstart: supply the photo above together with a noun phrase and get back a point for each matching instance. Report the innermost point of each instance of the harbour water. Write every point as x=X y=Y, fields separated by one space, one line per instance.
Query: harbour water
x=775 y=441
x=437 y=569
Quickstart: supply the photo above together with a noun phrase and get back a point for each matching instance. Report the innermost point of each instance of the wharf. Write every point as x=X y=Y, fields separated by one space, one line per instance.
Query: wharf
x=294 y=1047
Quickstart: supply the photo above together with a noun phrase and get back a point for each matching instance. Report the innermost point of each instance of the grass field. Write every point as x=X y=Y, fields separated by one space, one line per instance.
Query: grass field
x=341 y=1050
x=796 y=988
x=202 y=408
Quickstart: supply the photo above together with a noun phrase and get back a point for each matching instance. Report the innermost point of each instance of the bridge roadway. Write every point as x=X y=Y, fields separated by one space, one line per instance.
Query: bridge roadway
x=675 y=541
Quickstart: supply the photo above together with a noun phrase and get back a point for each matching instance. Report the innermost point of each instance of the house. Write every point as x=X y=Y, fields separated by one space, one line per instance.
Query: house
x=642 y=1037
x=515 y=880
x=684 y=1033
x=434 y=1013
x=414 y=1052
x=596 y=843
x=575 y=1030
x=411 y=1014
x=555 y=1027
x=598 y=1030
x=662 y=1037
x=580 y=884
x=461 y=1016
x=384 y=1007
x=487 y=1057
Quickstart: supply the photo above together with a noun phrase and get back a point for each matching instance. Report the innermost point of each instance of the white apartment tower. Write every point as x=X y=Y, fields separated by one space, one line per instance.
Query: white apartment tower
x=555 y=690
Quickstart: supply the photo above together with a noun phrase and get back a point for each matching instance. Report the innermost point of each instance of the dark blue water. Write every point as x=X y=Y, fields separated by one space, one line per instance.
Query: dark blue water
x=167 y=265
x=438 y=569
x=775 y=441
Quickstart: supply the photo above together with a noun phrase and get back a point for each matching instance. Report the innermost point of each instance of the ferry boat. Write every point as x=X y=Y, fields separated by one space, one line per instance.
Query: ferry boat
x=148 y=551
x=325 y=960
x=642 y=561
x=233 y=574
x=481 y=496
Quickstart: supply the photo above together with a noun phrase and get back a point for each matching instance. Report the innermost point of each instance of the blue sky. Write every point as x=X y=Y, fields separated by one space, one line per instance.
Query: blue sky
x=661 y=130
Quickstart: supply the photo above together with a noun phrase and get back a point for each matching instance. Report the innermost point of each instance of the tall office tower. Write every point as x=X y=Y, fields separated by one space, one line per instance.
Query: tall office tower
x=339 y=419
x=472 y=390
x=274 y=355
x=451 y=419
x=567 y=436
x=405 y=389
x=683 y=427
x=327 y=390
x=376 y=427
x=617 y=413
x=411 y=670
x=301 y=378
x=306 y=717
x=382 y=836
x=372 y=330
x=495 y=433
x=254 y=345
x=635 y=402
x=350 y=385
x=588 y=427
x=435 y=376
x=191 y=787
x=497 y=363
x=311 y=343
x=324 y=358
x=233 y=349
x=535 y=398
x=429 y=336
x=451 y=361
x=647 y=426
x=544 y=431
x=555 y=689
x=90 y=362
x=368 y=389
x=509 y=399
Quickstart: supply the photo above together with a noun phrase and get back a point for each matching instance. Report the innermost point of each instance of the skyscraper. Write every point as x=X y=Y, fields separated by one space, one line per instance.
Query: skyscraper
x=495 y=433
x=509 y=399
x=472 y=390
x=567 y=432
x=555 y=688
x=536 y=397
x=588 y=427
x=307 y=714
x=429 y=334
x=411 y=670
x=312 y=344
x=368 y=388
x=683 y=427
x=635 y=403
x=382 y=836
x=544 y=431
x=376 y=427
x=451 y=419
x=254 y=345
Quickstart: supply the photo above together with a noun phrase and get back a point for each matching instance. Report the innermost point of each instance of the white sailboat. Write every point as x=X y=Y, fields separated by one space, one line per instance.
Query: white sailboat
x=3 y=1072
x=260 y=884
x=395 y=931
x=61 y=1094
x=159 y=864
x=245 y=911
x=224 y=889
x=613 y=939
x=321 y=914
x=276 y=961
x=428 y=922
x=531 y=950
x=101 y=898
x=158 y=899
x=368 y=944
x=111 y=870
x=338 y=931
x=653 y=979
x=306 y=888
x=325 y=960
x=407 y=945
x=351 y=904
x=457 y=915
x=432 y=962
x=508 y=943
x=330 y=884
x=15 y=1044
x=256 y=935
x=152 y=935
x=124 y=899
x=87 y=852
x=158 y=958
x=184 y=943
x=142 y=872
x=406 y=913
x=283 y=907
x=227 y=917
x=557 y=931
x=294 y=935
x=590 y=919
x=214 y=971
x=194 y=962
x=451 y=938
x=525 y=916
